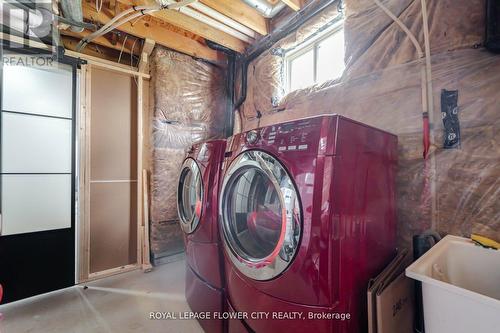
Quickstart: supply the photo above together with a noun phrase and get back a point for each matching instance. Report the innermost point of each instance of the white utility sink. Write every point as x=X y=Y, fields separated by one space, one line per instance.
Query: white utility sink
x=460 y=287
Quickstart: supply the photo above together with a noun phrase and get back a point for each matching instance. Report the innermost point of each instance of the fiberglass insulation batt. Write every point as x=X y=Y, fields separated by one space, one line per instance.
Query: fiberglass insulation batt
x=188 y=101
x=381 y=86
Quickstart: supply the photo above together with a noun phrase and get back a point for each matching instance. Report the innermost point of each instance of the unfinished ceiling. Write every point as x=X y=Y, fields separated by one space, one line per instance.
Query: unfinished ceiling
x=234 y=24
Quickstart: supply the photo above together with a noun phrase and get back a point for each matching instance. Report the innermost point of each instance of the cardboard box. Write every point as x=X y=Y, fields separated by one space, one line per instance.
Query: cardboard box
x=391 y=299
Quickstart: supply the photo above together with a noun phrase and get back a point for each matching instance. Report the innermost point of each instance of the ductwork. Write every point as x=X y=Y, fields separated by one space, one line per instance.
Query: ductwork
x=72 y=10
x=265 y=8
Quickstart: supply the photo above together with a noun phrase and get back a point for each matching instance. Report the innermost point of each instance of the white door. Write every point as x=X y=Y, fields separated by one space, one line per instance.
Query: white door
x=37 y=197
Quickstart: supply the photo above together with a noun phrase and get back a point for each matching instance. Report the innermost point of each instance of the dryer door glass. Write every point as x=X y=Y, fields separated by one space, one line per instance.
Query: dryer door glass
x=190 y=196
x=256 y=214
x=260 y=215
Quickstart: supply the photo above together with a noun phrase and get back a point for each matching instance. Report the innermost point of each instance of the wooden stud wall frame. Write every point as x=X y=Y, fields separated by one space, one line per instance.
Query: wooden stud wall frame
x=84 y=273
x=83 y=119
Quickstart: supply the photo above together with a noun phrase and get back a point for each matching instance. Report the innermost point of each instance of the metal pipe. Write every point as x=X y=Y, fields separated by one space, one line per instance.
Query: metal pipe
x=265 y=8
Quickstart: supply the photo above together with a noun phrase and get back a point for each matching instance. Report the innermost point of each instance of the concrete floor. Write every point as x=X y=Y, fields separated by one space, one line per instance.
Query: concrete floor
x=121 y=303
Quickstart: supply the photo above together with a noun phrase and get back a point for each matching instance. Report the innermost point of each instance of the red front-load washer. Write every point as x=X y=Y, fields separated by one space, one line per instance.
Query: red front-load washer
x=197 y=198
x=307 y=212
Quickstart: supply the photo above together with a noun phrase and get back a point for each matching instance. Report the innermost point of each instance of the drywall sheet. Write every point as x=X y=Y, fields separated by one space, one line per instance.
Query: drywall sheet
x=458 y=189
x=113 y=226
x=113 y=170
x=188 y=102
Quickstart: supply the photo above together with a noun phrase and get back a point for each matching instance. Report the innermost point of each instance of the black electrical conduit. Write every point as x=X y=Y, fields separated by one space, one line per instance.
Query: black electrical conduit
x=231 y=57
x=267 y=42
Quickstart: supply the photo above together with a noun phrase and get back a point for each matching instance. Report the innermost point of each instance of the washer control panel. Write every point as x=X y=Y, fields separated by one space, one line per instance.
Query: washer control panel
x=300 y=135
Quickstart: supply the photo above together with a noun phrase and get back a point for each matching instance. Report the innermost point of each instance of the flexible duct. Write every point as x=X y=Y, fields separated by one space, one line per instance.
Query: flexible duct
x=265 y=8
x=72 y=9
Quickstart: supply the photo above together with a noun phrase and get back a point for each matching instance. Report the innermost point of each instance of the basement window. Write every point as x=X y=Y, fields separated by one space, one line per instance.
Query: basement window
x=317 y=60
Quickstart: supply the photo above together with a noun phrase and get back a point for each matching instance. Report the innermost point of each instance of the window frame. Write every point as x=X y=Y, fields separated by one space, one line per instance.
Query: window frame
x=301 y=49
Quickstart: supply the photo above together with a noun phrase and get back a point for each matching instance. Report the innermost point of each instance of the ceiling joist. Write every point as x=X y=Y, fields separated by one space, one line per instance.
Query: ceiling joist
x=193 y=25
x=103 y=41
x=95 y=51
x=240 y=12
x=294 y=4
x=162 y=36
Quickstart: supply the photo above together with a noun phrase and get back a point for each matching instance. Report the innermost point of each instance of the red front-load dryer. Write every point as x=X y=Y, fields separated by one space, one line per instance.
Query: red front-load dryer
x=197 y=198
x=307 y=213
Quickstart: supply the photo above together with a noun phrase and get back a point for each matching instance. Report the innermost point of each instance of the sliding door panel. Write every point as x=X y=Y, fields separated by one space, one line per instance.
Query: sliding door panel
x=34 y=144
x=37 y=183
x=38 y=90
x=32 y=203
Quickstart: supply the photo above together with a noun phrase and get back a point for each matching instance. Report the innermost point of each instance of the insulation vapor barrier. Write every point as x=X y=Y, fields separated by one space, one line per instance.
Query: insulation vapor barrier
x=188 y=101
x=455 y=190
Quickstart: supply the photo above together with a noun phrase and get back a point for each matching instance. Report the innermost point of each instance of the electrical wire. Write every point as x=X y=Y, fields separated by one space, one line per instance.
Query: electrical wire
x=126 y=16
x=132 y=58
x=98 y=5
x=121 y=51
x=112 y=23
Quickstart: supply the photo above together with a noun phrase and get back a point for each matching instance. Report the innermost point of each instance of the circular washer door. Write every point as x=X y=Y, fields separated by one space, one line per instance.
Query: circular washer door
x=260 y=215
x=190 y=196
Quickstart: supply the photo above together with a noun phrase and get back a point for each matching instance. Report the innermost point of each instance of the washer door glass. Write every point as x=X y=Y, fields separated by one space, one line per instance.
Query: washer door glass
x=190 y=196
x=260 y=215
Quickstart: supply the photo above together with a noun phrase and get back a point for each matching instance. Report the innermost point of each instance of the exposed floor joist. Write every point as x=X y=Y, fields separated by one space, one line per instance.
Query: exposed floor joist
x=240 y=12
x=103 y=41
x=162 y=36
x=190 y=24
x=294 y=4
x=94 y=50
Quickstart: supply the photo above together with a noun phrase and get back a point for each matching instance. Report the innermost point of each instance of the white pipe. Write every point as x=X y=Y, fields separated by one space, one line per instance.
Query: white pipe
x=427 y=92
x=428 y=64
x=114 y=22
x=180 y=4
x=223 y=19
x=403 y=27
x=413 y=39
x=430 y=101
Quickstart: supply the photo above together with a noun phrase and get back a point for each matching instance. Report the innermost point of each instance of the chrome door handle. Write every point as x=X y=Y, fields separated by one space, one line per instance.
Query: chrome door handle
x=1 y=224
